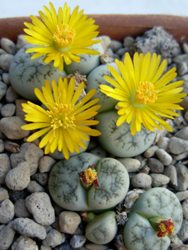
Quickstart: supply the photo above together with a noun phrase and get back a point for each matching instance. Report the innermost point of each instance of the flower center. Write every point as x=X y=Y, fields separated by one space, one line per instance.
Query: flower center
x=146 y=93
x=63 y=35
x=89 y=177
x=62 y=116
x=165 y=227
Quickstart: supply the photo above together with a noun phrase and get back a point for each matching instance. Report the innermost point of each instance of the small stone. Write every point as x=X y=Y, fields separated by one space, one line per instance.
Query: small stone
x=182 y=247
x=184 y=103
x=128 y=41
x=6 y=78
x=77 y=241
x=20 y=41
x=90 y=246
x=19 y=110
x=163 y=142
x=28 y=227
x=4 y=167
x=54 y=238
x=171 y=172
x=45 y=248
x=159 y=180
x=186 y=116
x=150 y=151
x=132 y=165
x=182 y=133
x=8 y=45
x=115 y=45
x=35 y=187
x=185 y=209
x=69 y=222
x=6 y=237
x=16 y=195
x=131 y=197
x=11 y=95
x=120 y=52
x=3 y=89
x=155 y=165
x=11 y=127
x=41 y=178
x=18 y=178
x=182 y=195
x=180 y=156
x=39 y=205
x=45 y=164
x=178 y=145
x=182 y=173
x=28 y=152
x=20 y=209
x=141 y=180
x=183 y=233
x=2 y=51
x=182 y=68
x=24 y=243
x=164 y=157
x=2 y=147
x=99 y=151
x=8 y=110
x=6 y=211
x=3 y=194
x=5 y=61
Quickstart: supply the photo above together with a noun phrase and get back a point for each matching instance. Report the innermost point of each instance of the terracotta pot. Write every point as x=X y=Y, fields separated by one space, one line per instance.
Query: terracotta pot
x=116 y=26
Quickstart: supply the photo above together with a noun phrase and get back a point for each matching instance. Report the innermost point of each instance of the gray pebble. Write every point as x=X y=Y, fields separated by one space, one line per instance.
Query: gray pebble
x=5 y=61
x=54 y=238
x=6 y=211
x=4 y=167
x=132 y=165
x=18 y=178
x=171 y=172
x=90 y=246
x=184 y=103
x=6 y=78
x=20 y=41
x=155 y=165
x=180 y=156
x=182 y=68
x=3 y=89
x=28 y=152
x=8 y=45
x=163 y=142
x=11 y=127
x=150 y=151
x=141 y=180
x=24 y=243
x=3 y=194
x=19 y=110
x=178 y=145
x=131 y=197
x=183 y=233
x=45 y=164
x=11 y=95
x=182 y=133
x=28 y=227
x=186 y=116
x=164 y=157
x=182 y=247
x=39 y=205
x=20 y=209
x=41 y=178
x=159 y=180
x=115 y=45
x=35 y=187
x=99 y=151
x=69 y=222
x=2 y=51
x=77 y=241
x=11 y=146
x=182 y=173
x=45 y=248
x=2 y=146
x=6 y=237
x=185 y=209
x=182 y=195
x=8 y=110
x=121 y=52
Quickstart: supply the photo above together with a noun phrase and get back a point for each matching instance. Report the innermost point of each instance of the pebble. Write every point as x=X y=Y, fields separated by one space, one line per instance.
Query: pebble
x=11 y=95
x=183 y=233
x=171 y=172
x=24 y=243
x=19 y=111
x=131 y=197
x=18 y=178
x=45 y=164
x=5 y=61
x=182 y=68
x=8 y=45
x=163 y=156
x=11 y=146
x=77 y=241
x=3 y=89
x=182 y=133
x=6 y=78
x=155 y=165
x=20 y=209
x=6 y=211
x=132 y=165
x=28 y=227
x=6 y=237
x=184 y=103
x=150 y=152
x=182 y=195
x=2 y=51
x=20 y=41
x=163 y=142
x=115 y=45
x=141 y=180
x=8 y=110
x=178 y=145
x=2 y=146
x=45 y=248
x=90 y=246
x=185 y=209
x=41 y=178
x=3 y=194
x=182 y=173
x=4 y=166
x=159 y=180
x=34 y=187
x=69 y=222
x=28 y=152
x=182 y=247
x=54 y=238
x=11 y=127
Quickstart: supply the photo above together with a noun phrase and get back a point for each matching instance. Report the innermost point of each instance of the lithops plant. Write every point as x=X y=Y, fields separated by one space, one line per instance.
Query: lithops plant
x=94 y=79
x=107 y=178
x=102 y=229
x=154 y=217
x=27 y=74
x=87 y=62
x=118 y=140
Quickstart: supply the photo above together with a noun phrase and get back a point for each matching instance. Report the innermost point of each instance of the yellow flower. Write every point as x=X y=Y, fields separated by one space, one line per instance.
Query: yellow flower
x=64 y=121
x=144 y=91
x=89 y=177
x=61 y=36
